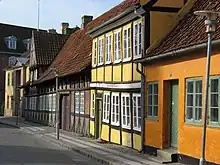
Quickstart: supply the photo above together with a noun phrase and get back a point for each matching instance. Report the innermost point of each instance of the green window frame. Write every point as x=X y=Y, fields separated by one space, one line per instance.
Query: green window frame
x=152 y=100
x=193 y=102
x=214 y=101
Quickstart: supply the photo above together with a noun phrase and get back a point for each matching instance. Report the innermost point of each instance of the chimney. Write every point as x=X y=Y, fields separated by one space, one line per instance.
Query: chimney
x=85 y=20
x=53 y=31
x=64 y=26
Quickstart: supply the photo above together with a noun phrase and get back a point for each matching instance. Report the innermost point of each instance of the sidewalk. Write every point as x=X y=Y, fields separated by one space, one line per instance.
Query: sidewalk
x=106 y=153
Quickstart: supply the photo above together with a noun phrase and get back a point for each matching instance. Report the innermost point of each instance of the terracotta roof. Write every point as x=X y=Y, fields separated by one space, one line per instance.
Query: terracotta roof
x=47 y=46
x=189 y=31
x=19 y=32
x=73 y=57
x=120 y=8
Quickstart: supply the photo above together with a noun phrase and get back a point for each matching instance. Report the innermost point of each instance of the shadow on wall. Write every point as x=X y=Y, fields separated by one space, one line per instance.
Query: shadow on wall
x=34 y=155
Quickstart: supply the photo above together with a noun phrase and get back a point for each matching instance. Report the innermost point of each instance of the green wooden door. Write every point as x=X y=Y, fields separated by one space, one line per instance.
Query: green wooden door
x=174 y=113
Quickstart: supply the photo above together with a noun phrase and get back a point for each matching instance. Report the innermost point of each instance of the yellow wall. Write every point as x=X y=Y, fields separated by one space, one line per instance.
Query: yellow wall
x=108 y=73
x=127 y=69
x=92 y=128
x=115 y=136
x=170 y=3
x=189 y=136
x=126 y=139
x=137 y=142
x=8 y=92
x=105 y=132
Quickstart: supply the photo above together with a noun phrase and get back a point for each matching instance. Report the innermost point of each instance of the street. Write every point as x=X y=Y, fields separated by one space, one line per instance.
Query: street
x=19 y=148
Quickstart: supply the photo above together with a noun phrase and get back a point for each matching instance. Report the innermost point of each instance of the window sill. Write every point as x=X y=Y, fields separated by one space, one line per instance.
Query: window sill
x=137 y=129
x=152 y=118
x=126 y=127
x=137 y=57
x=213 y=125
x=108 y=62
x=127 y=59
x=117 y=61
x=105 y=121
x=115 y=124
x=193 y=123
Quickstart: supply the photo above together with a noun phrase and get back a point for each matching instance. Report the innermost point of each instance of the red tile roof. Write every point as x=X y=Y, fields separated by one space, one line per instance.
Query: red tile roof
x=189 y=31
x=76 y=52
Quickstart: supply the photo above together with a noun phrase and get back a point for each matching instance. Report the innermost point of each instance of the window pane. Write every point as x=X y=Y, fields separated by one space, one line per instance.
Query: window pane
x=139 y=101
x=150 y=111
x=155 y=88
x=189 y=114
x=199 y=86
x=155 y=99
x=199 y=100
x=190 y=87
x=214 y=100
x=150 y=90
x=189 y=100
x=198 y=113
x=155 y=111
x=214 y=85
x=214 y=115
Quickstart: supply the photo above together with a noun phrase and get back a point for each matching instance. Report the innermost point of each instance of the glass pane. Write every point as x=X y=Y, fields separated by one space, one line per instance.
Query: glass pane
x=128 y=111
x=128 y=121
x=149 y=100
x=189 y=87
x=150 y=90
x=123 y=110
x=139 y=122
x=199 y=86
x=155 y=99
x=214 y=100
x=139 y=112
x=214 y=115
x=155 y=88
x=123 y=100
x=189 y=100
x=155 y=111
x=124 y=118
x=139 y=101
x=127 y=101
x=199 y=100
x=189 y=114
x=116 y=99
x=149 y=111
x=214 y=85
x=198 y=114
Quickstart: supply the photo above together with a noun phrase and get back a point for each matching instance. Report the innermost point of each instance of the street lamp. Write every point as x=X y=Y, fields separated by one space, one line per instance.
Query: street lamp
x=210 y=23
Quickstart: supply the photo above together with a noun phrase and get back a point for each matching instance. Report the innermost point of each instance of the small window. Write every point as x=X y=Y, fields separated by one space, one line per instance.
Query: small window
x=82 y=102
x=106 y=107
x=126 y=111
x=117 y=43
x=115 y=109
x=108 y=49
x=194 y=100
x=152 y=94
x=77 y=102
x=137 y=33
x=127 y=44
x=214 y=104
x=100 y=51
x=95 y=54
x=11 y=42
x=137 y=111
x=93 y=105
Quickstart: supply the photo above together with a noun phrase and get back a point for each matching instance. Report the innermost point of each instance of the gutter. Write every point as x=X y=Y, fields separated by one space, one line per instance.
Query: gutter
x=176 y=52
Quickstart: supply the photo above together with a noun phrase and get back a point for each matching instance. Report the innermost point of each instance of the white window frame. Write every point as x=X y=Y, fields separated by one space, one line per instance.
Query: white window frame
x=117 y=46
x=126 y=44
x=76 y=108
x=93 y=105
x=152 y=107
x=126 y=110
x=82 y=102
x=100 y=51
x=137 y=36
x=95 y=54
x=115 y=107
x=106 y=107
x=136 y=108
x=108 y=52
x=195 y=96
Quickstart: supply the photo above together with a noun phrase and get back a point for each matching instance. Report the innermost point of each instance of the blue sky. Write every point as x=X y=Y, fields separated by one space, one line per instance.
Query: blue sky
x=52 y=12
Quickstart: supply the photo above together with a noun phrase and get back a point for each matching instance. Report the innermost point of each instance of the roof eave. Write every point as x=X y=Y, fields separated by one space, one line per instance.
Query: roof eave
x=147 y=59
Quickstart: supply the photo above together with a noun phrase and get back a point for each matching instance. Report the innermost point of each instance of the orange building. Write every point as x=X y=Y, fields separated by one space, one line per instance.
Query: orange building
x=175 y=70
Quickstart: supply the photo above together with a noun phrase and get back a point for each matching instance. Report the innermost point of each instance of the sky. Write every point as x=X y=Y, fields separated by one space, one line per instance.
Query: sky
x=52 y=12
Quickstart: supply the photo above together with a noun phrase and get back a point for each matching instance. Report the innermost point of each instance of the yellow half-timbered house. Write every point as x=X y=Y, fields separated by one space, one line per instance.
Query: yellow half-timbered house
x=120 y=36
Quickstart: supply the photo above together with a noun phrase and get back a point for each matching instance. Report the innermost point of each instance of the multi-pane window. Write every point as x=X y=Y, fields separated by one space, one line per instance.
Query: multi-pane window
x=50 y=101
x=127 y=44
x=152 y=94
x=214 y=104
x=126 y=112
x=115 y=109
x=106 y=107
x=100 y=51
x=137 y=111
x=82 y=102
x=77 y=102
x=117 y=44
x=95 y=54
x=108 y=49
x=194 y=100
x=137 y=39
x=93 y=105
x=54 y=102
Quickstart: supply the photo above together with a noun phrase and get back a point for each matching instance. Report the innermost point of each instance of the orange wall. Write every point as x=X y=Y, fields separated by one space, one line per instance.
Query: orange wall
x=189 y=136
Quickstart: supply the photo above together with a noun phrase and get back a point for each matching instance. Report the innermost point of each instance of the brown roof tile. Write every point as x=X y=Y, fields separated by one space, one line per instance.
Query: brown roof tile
x=189 y=31
x=47 y=46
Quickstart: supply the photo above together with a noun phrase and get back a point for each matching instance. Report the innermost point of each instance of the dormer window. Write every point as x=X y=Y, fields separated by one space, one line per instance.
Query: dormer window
x=27 y=43
x=11 y=42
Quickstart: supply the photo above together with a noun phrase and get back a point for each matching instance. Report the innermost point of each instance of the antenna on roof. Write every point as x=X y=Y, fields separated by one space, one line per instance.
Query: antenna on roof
x=38 y=15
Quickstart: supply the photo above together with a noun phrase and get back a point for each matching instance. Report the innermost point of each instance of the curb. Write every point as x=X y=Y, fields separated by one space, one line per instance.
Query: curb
x=8 y=124
x=85 y=153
